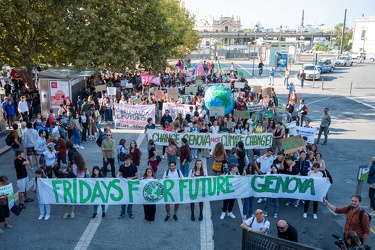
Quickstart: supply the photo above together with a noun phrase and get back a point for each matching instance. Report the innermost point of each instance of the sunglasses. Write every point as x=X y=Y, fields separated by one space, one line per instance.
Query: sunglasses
x=108 y=135
x=259 y=213
x=282 y=228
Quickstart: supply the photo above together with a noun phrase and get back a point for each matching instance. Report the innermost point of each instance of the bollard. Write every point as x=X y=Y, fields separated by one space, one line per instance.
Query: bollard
x=351 y=87
x=322 y=82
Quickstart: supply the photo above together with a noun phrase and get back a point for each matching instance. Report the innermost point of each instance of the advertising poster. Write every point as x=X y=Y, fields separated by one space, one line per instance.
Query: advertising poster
x=58 y=89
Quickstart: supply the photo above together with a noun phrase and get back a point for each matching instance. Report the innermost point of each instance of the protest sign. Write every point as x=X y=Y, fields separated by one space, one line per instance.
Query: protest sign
x=173 y=93
x=252 y=108
x=198 y=82
x=257 y=88
x=159 y=94
x=116 y=191
x=189 y=90
x=241 y=114
x=133 y=116
x=216 y=111
x=226 y=85
x=100 y=88
x=123 y=83
x=292 y=144
x=239 y=85
x=137 y=101
x=111 y=90
x=229 y=125
x=8 y=190
x=281 y=108
x=175 y=108
x=148 y=79
x=308 y=132
x=187 y=79
x=129 y=85
x=152 y=90
x=202 y=140
x=266 y=91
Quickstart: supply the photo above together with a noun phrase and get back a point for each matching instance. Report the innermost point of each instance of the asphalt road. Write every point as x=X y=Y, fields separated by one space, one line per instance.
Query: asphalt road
x=350 y=144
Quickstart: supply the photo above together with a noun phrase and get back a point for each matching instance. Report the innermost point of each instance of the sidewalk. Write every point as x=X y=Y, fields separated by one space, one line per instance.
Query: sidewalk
x=4 y=148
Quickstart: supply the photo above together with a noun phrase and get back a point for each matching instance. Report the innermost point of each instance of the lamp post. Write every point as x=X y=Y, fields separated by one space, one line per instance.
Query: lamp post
x=255 y=35
x=280 y=37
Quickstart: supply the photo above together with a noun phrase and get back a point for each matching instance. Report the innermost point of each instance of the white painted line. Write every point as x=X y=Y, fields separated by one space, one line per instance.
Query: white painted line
x=319 y=100
x=256 y=79
x=239 y=201
x=360 y=102
x=206 y=226
x=93 y=225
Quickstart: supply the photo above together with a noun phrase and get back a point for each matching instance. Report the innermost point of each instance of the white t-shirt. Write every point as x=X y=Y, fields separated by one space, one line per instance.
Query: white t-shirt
x=265 y=163
x=258 y=226
x=173 y=175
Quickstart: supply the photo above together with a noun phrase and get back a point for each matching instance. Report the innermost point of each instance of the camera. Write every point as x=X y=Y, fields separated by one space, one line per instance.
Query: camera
x=339 y=242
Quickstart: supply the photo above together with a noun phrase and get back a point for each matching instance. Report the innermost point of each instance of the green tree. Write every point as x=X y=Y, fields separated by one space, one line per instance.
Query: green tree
x=348 y=35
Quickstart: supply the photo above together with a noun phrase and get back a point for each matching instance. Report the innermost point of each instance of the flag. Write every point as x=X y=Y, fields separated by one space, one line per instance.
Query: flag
x=219 y=66
x=179 y=65
x=185 y=64
x=15 y=74
x=147 y=79
x=199 y=70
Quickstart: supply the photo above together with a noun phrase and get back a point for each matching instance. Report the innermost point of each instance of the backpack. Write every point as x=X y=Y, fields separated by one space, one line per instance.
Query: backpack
x=361 y=214
x=328 y=175
x=306 y=110
x=99 y=141
x=178 y=172
x=121 y=155
x=9 y=140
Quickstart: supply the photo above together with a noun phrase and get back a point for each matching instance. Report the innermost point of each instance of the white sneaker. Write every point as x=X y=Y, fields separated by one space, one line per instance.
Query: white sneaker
x=372 y=213
x=81 y=147
x=163 y=157
x=304 y=215
x=222 y=216
x=47 y=217
x=243 y=217
x=260 y=200
x=230 y=214
x=72 y=215
x=315 y=216
x=65 y=215
x=265 y=214
x=287 y=204
x=40 y=217
x=275 y=216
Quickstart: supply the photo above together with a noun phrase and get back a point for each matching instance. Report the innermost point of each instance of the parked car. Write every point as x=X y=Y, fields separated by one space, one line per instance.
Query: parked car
x=344 y=61
x=325 y=65
x=372 y=59
x=355 y=55
x=311 y=71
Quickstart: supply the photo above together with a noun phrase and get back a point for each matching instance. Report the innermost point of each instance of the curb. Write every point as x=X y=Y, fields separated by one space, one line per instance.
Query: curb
x=5 y=150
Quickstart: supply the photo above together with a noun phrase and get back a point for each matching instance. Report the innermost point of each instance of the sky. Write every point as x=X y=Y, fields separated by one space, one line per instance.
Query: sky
x=273 y=13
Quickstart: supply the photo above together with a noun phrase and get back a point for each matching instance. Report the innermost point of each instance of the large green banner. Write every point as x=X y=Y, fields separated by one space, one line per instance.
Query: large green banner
x=206 y=140
x=118 y=191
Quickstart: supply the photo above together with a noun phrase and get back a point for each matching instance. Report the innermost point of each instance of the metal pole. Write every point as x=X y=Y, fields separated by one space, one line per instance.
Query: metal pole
x=322 y=82
x=255 y=35
x=342 y=35
x=351 y=87
x=314 y=78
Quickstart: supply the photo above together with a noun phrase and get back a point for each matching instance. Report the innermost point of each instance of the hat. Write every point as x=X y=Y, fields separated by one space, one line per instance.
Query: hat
x=50 y=145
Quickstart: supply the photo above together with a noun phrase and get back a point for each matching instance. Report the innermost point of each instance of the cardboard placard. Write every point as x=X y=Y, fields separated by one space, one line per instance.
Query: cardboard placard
x=189 y=90
x=111 y=90
x=123 y=83
x=257 y=88
x=187 y=79
x=292 y=144
x=241 y=114
x=198 y=82
x=281 y=108
x=252 y=108
x=227 y=85
x=239 y=85
x=229 y=125
x=100 y=88
x=159 y=94
x=137 y=101
x=129 y=85
x=173 y=93
x=216 y=111
x=152 y=90
x=266 y=91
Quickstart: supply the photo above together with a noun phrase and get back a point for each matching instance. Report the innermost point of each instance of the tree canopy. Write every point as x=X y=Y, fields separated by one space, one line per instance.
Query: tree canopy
x=119 y=34
x=348 y=34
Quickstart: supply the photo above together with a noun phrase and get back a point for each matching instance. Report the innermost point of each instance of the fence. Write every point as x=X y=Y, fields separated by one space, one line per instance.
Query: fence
x=256 y=241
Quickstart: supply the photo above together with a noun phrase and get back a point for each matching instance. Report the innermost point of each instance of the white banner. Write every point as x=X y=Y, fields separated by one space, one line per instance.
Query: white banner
x=308 y=132
x=116 y=191
x=174 y=109
x=204 y=140
x=133 y=116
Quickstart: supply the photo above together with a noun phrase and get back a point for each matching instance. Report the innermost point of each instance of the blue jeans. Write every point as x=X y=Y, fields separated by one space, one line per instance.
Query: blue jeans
x=194 y=153
x=129 y=210
x=302 y=83
x=248 y=206
x=99 y=129
x=184 y=169
x=48 y=209
x=286 y=81
x=321 y=130
x=76 y=136
x=108 y=115
x=171 y=158
x=268 y=202
x=96 y=209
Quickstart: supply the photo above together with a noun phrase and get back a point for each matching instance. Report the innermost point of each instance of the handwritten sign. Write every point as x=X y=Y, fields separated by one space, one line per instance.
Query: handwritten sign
x=292 y=144
x=189 y=90
x=241 y=114
x=226 y=85
x=173 y=93
x=159 y=94
x=216 y=111
x=281 y=108
x=137 y=101
x=123 y=83
x=239 y=85
x=256 y=89
x=266 y=91
x=100 y=88
x=198 y=82
x=188 y=79
x=129 y=85
x=152 y=90
x=111 y=90
x=252 y=108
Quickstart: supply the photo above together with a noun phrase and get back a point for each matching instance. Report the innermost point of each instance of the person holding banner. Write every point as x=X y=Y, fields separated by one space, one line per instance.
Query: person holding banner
x=96 y=173
x=172 y=173
x=40 y=174
x=229 y=203
x=314 y=173
x=197 y=171
x=149 y=209
x=220 y=155
x=4 y=206
x=152 y=157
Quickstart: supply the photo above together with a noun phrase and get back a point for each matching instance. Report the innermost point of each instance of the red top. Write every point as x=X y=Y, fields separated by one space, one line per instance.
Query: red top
x=136 y=156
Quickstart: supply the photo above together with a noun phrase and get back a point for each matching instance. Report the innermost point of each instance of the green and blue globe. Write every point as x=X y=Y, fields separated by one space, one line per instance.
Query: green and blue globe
x=219 y=96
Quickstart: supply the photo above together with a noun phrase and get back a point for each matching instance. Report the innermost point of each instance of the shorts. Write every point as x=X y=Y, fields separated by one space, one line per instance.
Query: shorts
x=30 y=151
x=22 y=184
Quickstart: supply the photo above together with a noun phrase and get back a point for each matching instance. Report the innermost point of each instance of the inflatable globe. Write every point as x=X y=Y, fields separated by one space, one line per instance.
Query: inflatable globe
x=219 y=96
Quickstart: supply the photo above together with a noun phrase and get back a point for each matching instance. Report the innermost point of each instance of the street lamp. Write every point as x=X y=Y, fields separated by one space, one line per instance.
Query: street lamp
x=255 y=35
x=280 y=37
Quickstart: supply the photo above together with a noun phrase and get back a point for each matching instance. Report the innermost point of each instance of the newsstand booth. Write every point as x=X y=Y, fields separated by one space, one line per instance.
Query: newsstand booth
x=57 y=82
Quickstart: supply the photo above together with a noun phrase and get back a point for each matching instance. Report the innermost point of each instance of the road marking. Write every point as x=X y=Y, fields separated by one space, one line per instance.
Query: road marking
x=319 y=100
x=256 y=79
x=206 y=226
x=239 y=201
x=93 y=225
x=360 y=102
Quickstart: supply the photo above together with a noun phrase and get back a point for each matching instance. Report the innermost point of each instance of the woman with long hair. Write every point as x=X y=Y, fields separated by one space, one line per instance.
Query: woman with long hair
x=248 y=203
x=220 y=155
x=4 y=203
x=97 y=173
x=171 y=150
x=79 y=165
x=135 y=152
x=93 y=130
x=40 y=174
x=197 y=171
x=240 y=155
x=149 y=210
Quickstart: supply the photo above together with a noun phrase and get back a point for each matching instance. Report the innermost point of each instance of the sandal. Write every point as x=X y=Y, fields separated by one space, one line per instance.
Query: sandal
x=29 y=200
x=8 y=226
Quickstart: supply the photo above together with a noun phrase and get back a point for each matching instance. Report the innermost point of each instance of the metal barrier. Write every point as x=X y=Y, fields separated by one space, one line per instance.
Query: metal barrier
x=256 y=241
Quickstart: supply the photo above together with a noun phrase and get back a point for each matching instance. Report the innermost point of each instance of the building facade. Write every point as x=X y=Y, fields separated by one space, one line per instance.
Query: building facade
x=223 y=24
x=364 y=35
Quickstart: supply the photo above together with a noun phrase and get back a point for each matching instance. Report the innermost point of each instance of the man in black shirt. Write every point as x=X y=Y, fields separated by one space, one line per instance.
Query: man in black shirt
x=20 y=163
x=286 y=231
x=302 y=164
x=166 y=118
